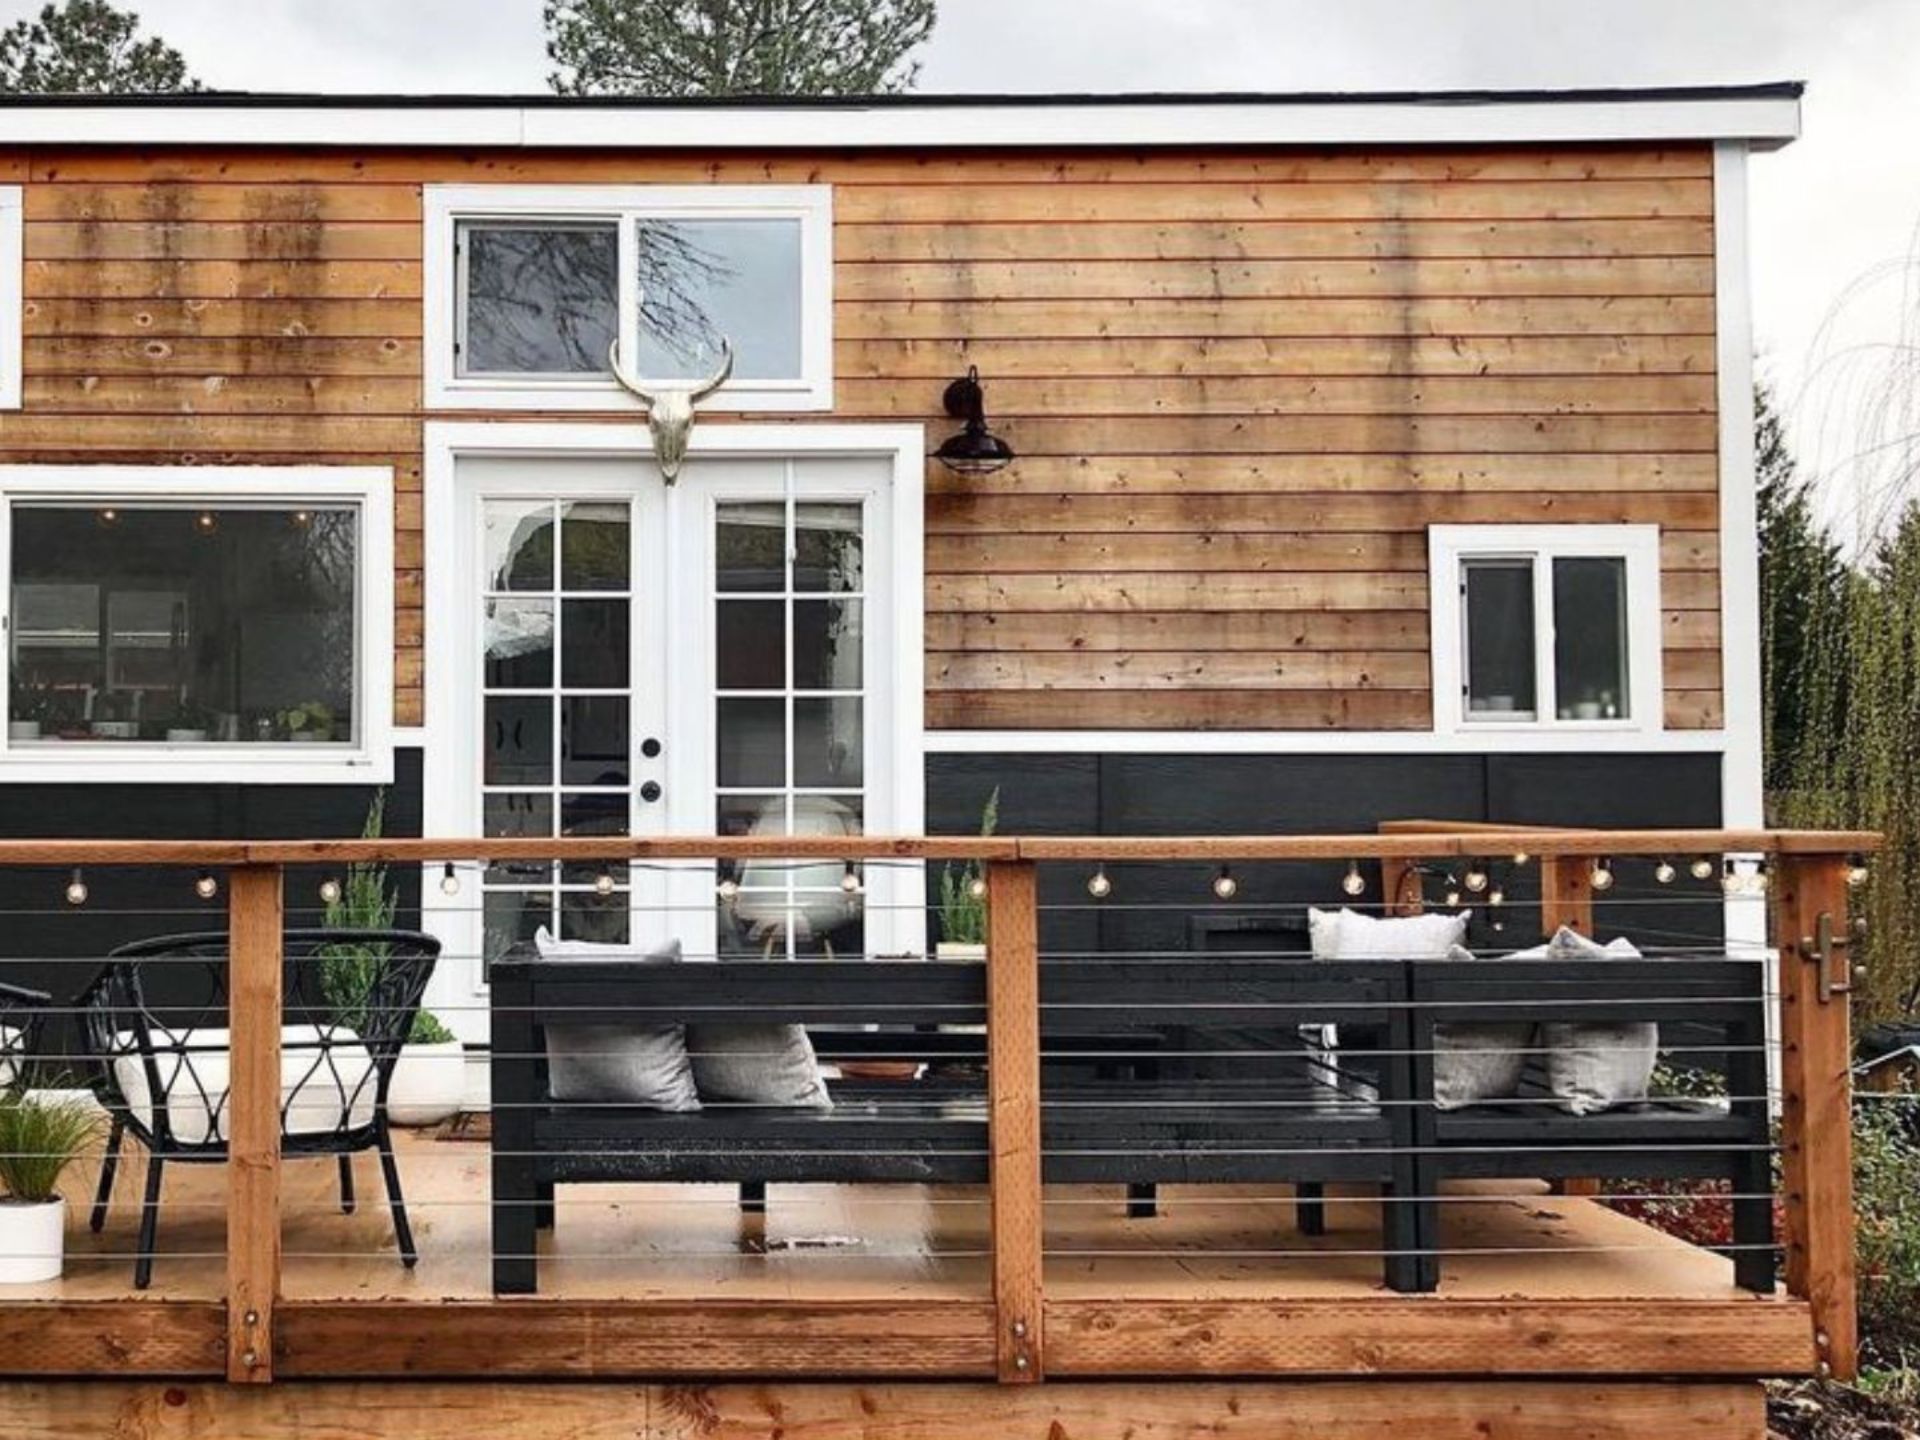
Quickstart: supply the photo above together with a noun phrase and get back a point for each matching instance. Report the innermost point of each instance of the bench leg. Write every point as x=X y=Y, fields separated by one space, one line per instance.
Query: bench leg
x=1412 y=1268
x=1143 y=1201
x=753 y=1197
x=1310 y=1207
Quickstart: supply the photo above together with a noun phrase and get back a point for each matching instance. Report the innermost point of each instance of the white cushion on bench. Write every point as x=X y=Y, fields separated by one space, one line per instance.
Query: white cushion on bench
x=323 y=1086
x=1596 y=1065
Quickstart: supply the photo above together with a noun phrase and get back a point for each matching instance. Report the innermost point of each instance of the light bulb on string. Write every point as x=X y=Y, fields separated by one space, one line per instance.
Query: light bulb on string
x=728 y=889
x=1225 y=887
x=1476 y=879
x=977 y=887
x=1701 y=867
x=850 y=880
x=449 y=881
x=1521 y=857
x=1098 y=885
x=1602 y=876
x=205 y=886
x=1354 y=883
x=1451 y=898
x=330 y=891
x=603 y=882
x=77 y=888
x=1857 y=872
x=1664 y=872
x=1496 y=896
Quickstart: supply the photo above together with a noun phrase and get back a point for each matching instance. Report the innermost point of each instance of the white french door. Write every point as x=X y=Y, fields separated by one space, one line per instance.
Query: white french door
x=612 y=656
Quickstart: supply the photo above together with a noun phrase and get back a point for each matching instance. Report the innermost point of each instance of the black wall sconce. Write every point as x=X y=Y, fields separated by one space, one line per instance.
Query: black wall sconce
x=976 y=450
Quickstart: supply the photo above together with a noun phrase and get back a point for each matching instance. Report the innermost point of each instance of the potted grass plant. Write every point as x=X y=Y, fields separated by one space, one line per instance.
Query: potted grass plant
x=429 y=1079
x=963 y=900
x=39 y=1138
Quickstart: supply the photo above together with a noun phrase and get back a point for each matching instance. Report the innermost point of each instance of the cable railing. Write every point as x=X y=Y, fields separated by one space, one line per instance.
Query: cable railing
x=1158 y=1092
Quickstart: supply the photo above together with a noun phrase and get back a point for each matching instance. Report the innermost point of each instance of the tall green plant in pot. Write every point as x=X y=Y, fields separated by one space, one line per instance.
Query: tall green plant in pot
x=963 y=899
x=429 y=1080
x=39 y=1138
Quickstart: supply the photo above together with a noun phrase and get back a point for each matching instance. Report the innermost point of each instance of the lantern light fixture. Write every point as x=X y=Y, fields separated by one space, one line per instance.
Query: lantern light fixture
x=975 y=450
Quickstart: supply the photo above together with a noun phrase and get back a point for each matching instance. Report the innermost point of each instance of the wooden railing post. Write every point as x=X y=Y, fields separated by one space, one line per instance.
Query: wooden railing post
x=1566 y=894
x=1816 y=1123
x=254 y=948
x=1013 y=1093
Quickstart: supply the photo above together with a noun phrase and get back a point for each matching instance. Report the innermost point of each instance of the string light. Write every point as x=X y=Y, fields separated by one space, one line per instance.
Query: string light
x=1355 y=883
x=205 y=886
x=850 y=880
x=1521 y=857
x=108 y=516
x=728 y=889
x=1857 y=872
x=1664 y=871
x=330 y=891
x=1098 y=885
x=1452 y=896
x=206 y=522
x=1496 y=896
x=977 y=887
x=1476 y=878
x=1701 y=868
x=1744 y=877
x=449 y=882
x=603 y=882
x=77 y=888
x=1225 y=887
x=1602 y=876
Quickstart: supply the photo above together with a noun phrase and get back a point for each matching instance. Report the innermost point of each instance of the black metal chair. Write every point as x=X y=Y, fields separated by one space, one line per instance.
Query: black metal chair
x=155 y=1029
x=23 y=1013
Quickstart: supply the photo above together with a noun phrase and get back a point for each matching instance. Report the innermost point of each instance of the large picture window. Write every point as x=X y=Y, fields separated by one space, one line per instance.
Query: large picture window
x=157 y=620
x=528 y=287
x=1546 y=625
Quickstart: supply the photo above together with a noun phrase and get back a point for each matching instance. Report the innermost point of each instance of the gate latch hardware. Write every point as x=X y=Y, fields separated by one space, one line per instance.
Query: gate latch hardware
x=1829 y=952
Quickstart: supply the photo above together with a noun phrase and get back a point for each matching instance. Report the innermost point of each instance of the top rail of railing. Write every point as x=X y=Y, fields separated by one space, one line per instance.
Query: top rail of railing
x=1398 y=844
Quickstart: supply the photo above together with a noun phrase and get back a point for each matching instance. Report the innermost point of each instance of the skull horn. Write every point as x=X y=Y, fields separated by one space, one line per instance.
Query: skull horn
x=628 y=380
x=720 y=376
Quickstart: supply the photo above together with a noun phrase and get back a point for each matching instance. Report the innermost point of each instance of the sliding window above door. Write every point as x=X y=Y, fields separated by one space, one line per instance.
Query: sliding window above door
x=527 y=288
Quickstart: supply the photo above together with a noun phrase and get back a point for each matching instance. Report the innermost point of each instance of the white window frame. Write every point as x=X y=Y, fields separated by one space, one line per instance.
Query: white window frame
x=13 y=284
x=369 y=760
x=446 y=207
x=1638 y=546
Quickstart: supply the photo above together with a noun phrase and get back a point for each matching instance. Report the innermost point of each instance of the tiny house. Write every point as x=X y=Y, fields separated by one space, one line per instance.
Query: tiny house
x=688 y=527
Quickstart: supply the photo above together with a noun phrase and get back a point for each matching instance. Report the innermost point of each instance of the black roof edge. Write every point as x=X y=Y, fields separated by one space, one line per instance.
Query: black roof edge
x=215 y=99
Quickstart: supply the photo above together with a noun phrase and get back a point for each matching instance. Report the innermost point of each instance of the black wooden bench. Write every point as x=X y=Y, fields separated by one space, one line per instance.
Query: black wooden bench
x=1108 y=1116
x=1713 y=1008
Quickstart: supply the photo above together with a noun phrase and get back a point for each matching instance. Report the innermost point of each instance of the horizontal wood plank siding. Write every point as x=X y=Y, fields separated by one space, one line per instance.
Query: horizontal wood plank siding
x=1241 y=384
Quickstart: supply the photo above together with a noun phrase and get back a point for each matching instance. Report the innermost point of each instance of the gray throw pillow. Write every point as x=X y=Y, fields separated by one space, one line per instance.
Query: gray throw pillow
x=757 y=1065
x=1594 y=1066
x=621 y=1064
x=1480 y=1060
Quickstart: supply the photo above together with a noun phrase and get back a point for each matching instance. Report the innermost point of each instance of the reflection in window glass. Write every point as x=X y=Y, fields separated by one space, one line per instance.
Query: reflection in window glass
x=540 y=298
x=704 y=280
x=790 y=721
x=1498 y=608
x=183 y=625
x=1590 y=638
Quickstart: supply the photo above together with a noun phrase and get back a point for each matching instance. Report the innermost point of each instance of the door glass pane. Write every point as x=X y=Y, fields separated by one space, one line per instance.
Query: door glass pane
x=588 y=915
x=1499 y=639
x=750 y=645
x=828 y=546
x=701 y=280
x=541 y=298
x=752 y=743
x=510 y=917
x=519 y=544
x=519 y=740
x=826 y=644
x=596 y=814
x=527 y=816
x=750 y=547
x=593 y=740
x=596 y=540
x=519 y=644
x=183 y=624
x=594 y=654
x=1590 y=638
x=827 y=742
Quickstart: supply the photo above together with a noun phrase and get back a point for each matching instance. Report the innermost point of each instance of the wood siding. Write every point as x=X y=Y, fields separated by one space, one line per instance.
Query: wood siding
x=1241 y=385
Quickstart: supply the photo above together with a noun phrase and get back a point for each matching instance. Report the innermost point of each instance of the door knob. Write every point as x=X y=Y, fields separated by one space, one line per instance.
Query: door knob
x=650 y=791
x=650 y=748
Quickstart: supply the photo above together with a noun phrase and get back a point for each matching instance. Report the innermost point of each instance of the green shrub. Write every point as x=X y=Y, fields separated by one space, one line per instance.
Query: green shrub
x=1886 y=1200
x=39 y=1138
x=963 y=915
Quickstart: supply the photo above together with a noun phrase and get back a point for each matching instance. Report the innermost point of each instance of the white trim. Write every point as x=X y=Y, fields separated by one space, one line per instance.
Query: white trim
x=369 y=762
x=1551 y=740
x=444 y=206
x=13 y=280
x=1767 y=120
x=1448 y=546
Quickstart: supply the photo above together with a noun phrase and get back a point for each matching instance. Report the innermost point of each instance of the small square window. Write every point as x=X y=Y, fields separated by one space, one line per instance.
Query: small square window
x=1545 y=626
x=537 y=299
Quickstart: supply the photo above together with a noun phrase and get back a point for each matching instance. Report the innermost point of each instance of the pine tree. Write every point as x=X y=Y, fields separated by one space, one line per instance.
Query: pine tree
x=679 y=48
x=88 y=47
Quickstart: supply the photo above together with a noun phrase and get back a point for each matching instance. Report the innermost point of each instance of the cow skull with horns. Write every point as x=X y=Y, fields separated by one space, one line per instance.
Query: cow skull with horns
x=670 y=410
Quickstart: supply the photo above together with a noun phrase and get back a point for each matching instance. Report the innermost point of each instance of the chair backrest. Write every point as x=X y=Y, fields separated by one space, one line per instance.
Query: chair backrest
x=162 y=1002
x=22 y=1014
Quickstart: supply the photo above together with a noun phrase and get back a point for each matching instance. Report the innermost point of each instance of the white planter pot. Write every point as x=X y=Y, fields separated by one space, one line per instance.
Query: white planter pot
x=428 y=1084
x=964 y=953
x=32 y=1241
x=23 y=730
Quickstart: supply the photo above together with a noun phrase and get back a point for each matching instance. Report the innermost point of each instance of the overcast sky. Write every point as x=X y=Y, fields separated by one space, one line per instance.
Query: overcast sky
x=1828 y=210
